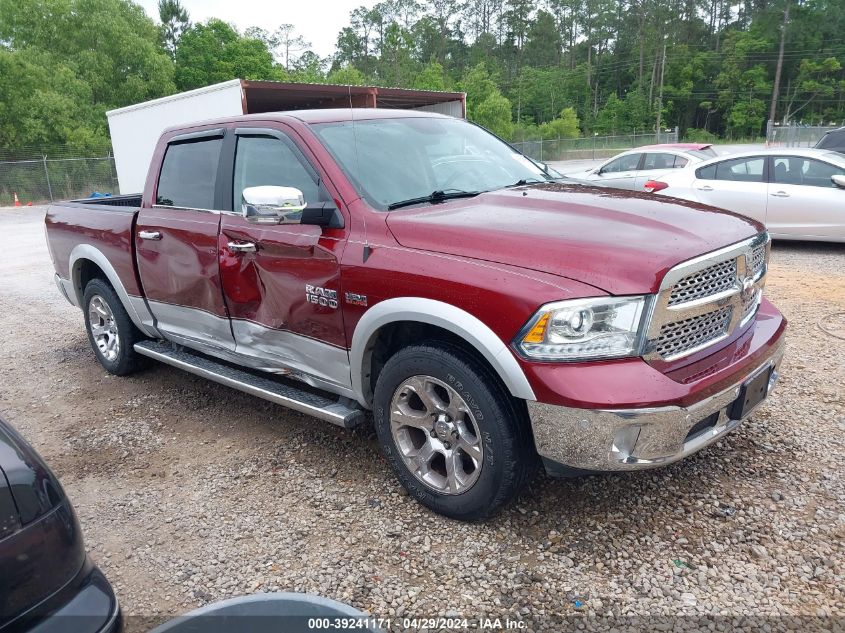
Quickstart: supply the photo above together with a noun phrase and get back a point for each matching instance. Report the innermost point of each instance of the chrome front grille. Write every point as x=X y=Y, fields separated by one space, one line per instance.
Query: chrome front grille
x=758 y=258
x=679 y=337
x=704 y=283
x=707 y=299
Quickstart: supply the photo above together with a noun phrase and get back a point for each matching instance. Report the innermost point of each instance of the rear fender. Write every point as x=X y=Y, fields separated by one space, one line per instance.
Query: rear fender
x=136 y=307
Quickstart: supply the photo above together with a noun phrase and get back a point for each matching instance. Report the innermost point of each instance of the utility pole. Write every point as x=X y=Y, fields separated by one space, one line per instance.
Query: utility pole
x=660 y=93
x=776 y=89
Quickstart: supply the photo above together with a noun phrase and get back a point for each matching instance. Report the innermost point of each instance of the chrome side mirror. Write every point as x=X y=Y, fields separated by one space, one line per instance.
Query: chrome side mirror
x=838 y=180
x=270 y=204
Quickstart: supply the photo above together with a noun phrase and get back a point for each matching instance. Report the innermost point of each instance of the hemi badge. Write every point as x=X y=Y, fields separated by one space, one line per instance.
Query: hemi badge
x=356 y=299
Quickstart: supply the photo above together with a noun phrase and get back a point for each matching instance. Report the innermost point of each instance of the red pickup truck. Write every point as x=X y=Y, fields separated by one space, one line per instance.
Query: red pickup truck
x=491 y=316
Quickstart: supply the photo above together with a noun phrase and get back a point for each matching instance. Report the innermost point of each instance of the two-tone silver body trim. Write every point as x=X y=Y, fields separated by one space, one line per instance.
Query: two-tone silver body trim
x=137 y=309
x=193 y=324
x=257 y=346
x=746 y=287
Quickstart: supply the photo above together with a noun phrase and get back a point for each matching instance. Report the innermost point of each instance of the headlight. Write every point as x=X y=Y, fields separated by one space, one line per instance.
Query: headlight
x=582 y=329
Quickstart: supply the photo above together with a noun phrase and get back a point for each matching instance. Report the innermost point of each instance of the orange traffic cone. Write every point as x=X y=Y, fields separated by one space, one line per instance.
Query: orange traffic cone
x=17 y=202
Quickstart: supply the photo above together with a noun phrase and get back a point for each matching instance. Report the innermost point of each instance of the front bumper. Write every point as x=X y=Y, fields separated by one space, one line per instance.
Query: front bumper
x=576 y=440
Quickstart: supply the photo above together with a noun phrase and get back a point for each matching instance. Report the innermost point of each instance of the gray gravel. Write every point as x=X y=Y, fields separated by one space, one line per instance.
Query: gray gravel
x=189 y=492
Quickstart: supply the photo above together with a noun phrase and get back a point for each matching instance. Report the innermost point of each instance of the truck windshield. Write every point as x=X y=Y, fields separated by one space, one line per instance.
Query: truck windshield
x=394 y=161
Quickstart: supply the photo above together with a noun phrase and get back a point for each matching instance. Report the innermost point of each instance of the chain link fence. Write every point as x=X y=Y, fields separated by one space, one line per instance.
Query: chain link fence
x=795 y=135
x=48 y=177
x=590 y=147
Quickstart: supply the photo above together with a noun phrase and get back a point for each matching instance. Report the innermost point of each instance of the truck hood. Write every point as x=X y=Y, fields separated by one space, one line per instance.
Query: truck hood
x=621 y=242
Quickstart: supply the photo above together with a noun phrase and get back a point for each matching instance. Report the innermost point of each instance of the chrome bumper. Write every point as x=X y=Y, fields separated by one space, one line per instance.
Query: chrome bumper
x=633 y=439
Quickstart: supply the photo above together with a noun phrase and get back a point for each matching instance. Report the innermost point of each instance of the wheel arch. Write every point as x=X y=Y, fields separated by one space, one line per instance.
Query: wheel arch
x=88 y=262
x=462 y=325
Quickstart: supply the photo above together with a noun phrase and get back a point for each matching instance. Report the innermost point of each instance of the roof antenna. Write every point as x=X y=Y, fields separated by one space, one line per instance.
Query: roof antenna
x=367 y=250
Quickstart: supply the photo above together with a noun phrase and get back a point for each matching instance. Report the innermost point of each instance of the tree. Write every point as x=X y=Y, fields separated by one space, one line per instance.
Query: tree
x=110 y=45
x=494 y=113
x=213 y=52
x=485 y=103
x=47 y=105
x=308 y=68
x=431 y=77
x=815 y=79
x=174 y=21
x=289 y=44
x=564 y=126
x=347 y=76
x=542 y=45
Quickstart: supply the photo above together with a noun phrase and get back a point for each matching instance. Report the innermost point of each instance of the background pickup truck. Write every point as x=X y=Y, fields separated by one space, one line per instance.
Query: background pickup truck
x=492 y=317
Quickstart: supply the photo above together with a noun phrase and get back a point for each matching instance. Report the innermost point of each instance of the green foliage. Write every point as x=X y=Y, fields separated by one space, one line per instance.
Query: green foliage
x=564 y=126
x=174 y=21
x=347 y=76
x=494 y=113
x=625 y=116
x=431 y=77
x=47 y=105
x=694 y=135
x=542 y=46
x=479 y=86
x=63 y=63
x=523 y=63
x=110 y=45
x=214 y=51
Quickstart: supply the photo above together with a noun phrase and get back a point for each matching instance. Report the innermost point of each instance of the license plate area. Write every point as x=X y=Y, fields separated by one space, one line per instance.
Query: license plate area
x=751 y=394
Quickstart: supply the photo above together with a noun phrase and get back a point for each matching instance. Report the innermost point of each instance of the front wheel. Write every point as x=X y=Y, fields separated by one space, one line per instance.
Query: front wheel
x=455 y=439
x=110 y=330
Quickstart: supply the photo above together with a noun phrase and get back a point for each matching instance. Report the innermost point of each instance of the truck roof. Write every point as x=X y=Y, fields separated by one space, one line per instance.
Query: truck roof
x=326 y=115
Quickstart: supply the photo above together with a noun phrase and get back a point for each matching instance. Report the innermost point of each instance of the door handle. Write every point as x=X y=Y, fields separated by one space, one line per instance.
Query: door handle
x=780 y=194
x=149 y=235
x=705 y=188
x=241 y=247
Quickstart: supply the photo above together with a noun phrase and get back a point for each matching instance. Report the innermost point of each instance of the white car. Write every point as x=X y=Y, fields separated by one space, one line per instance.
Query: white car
x=629 y=170
x=799 y=194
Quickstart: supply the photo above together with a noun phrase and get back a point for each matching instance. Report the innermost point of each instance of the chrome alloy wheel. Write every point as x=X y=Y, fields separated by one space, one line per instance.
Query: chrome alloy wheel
x=103 y=328
x=436 y=434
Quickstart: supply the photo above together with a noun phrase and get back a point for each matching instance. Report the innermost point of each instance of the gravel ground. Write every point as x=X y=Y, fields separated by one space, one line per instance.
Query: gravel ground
x=189 y=492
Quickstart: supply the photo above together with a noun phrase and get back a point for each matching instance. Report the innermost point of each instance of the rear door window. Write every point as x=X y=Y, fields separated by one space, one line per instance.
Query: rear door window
x=624 y=163
x=660 y=160
x=189 y=174
x=738 y=169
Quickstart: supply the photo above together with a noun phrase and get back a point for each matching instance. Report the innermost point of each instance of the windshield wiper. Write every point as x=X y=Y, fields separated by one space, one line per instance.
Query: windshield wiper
x=525 y=181
x=435 y=196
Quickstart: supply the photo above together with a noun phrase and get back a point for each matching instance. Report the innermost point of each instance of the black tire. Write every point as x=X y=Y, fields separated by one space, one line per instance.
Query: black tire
x=126 y=360
x=509 y=457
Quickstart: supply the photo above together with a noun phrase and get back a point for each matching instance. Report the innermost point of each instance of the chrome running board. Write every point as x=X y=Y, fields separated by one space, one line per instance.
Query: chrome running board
x=340 y=411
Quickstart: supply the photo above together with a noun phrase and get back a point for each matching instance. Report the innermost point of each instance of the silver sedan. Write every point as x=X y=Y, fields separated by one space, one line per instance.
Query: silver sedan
x=629 y=170
x=799 y=194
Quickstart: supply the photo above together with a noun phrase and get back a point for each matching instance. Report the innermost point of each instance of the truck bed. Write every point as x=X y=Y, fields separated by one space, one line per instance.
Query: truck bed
x=129 y=201
x=97 y=230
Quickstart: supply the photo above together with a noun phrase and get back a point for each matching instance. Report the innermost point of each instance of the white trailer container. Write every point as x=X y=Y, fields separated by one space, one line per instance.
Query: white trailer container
x=135 y=129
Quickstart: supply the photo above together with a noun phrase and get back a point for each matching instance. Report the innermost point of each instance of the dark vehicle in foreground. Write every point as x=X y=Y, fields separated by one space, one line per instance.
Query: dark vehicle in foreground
x=47 y=581
x=491 y=317
x=834 y=140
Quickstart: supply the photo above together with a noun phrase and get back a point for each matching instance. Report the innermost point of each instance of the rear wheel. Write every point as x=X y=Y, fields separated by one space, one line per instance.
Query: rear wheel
x=455 y=439
x=110 y=330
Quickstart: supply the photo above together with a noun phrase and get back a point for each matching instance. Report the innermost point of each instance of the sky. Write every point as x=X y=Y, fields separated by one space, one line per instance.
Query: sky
x=318 y=21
